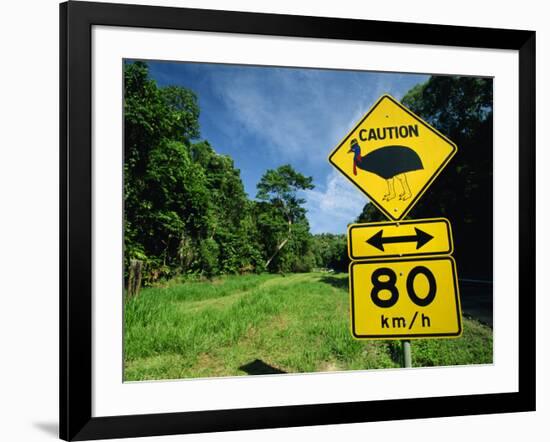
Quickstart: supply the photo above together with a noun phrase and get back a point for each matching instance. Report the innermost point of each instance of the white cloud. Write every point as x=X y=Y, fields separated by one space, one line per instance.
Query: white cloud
x=334 y=207
x=299 y=114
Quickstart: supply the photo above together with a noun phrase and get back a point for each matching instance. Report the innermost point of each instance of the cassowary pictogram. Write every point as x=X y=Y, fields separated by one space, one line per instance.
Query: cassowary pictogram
x=388 y=162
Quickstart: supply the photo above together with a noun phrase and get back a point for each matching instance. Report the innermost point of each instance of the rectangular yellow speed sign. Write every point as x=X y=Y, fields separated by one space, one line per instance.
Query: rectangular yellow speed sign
x=405 y=298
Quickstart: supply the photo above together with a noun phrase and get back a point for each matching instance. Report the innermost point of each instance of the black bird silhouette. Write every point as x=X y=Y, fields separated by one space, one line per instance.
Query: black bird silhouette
x=388 y=162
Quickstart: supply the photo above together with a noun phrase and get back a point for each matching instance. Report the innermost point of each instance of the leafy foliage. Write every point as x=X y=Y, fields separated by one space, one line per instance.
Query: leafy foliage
x=370 y=214
x=331 y=251
x=186 y=210
x=462 y=109
x=283 y=219
x=187 y=213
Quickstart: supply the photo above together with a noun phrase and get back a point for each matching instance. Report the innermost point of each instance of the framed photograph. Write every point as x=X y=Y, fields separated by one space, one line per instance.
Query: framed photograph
x=273 y=220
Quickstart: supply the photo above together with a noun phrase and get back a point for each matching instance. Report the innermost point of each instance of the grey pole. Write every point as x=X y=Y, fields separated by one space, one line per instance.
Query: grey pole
x=407 y=360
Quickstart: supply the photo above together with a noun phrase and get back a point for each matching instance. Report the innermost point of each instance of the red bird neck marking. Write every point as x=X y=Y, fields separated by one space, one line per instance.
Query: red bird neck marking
x=356 y=159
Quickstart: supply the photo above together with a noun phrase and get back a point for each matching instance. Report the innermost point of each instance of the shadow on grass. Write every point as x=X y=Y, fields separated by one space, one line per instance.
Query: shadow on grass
x=339 y=281
x=257 y=366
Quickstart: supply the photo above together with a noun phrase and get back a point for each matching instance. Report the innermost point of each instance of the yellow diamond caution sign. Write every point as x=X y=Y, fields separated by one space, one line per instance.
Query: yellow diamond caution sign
x=392 y=156
x=405 y=298
x=419 y=237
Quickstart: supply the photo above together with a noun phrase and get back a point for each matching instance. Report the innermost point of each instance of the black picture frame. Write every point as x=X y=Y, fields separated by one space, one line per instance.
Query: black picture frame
x=76 y=21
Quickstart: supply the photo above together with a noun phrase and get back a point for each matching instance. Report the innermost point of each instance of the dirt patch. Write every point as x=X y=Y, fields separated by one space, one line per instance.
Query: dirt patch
x=289 y=279
x=219 y=303
x=278 y=322
x=330 y=366
x=209 y=365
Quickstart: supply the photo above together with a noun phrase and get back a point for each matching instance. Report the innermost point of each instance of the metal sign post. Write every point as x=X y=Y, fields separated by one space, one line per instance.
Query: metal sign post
x=407 y=359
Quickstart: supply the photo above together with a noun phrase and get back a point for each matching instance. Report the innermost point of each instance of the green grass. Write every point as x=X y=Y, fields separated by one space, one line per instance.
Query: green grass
x=260 y=324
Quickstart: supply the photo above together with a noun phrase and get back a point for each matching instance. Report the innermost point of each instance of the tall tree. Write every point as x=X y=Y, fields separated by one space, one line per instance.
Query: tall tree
x=165 y=197
x=280 y=188
x=462 y=109
x=186 y=210
x=370 y=213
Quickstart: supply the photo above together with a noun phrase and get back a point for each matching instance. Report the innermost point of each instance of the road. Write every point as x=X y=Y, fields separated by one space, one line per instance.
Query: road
x=476 y=298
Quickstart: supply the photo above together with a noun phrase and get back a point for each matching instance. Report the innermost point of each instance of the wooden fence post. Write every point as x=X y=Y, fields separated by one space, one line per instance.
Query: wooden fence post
x=134 y=277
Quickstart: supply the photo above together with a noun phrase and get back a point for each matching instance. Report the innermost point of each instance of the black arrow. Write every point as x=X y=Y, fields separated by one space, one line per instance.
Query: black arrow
x=420 y=238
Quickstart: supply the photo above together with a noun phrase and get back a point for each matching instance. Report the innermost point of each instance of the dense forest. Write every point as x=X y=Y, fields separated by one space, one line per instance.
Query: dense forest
x=186 y=210
x=187 y=213
x=462 y=109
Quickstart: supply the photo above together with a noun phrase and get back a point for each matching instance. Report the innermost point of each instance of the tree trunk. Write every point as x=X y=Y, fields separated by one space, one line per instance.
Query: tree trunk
x=280 y=246
x=134 y=278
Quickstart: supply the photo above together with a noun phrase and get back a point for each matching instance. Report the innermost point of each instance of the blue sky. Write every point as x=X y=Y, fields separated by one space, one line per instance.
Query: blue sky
x=264 y=117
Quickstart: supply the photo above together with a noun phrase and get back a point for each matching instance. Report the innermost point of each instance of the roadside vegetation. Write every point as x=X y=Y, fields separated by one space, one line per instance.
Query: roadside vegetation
x=268 y=324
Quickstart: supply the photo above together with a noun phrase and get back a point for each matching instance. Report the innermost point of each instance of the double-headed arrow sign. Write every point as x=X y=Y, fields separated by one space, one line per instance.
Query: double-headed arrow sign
x=398 y=239
x=378 y=240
